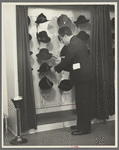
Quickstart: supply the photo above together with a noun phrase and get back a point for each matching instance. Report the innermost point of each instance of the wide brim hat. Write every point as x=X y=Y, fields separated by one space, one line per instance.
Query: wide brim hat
x=43 y=37
x=44 y=54
x=44 y=40
x=81 y=20
x=63 y=20
x=41 y=19
x=65 y=85
x=83 y=36
x=45 y=83
x=44 y=67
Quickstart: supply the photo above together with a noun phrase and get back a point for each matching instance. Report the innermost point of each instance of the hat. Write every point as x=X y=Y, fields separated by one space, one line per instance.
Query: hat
x=63 y=20
x=30 y=37
x=41 y=19
x=81 y=20
x=44 y=54
x=83 y=35
x=44 y=67
x=28 y=20
x=43 y=37
x=31 y=52
x=45 y=83
x=65 y=85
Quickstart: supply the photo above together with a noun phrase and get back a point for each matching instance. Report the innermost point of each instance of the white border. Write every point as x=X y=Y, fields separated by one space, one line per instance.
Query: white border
x=116 y=97
x=61 y=3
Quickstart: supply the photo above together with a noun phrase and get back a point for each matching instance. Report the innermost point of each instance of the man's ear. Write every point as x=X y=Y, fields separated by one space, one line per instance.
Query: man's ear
x=65 y=35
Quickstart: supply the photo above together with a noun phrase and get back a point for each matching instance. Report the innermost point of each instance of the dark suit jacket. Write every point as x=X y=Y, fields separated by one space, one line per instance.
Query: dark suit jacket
x=62 y=55
x=76 y=53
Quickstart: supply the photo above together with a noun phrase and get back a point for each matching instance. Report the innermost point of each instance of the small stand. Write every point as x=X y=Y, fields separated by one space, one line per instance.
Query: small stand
x=18 y=139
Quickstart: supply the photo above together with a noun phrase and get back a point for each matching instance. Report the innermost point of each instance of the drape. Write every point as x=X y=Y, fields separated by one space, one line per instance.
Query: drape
x=103 y=100
x=25 y=80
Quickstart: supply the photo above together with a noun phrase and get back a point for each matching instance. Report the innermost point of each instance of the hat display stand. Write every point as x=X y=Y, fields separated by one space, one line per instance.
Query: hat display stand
x=18 y=139
x=43 y=56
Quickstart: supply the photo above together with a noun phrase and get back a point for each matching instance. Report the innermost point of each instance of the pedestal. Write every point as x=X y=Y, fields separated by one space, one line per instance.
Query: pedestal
x=18 y=139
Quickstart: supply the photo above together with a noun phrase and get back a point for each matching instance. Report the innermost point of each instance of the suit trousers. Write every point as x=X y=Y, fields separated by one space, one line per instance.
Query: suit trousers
x=83 y=103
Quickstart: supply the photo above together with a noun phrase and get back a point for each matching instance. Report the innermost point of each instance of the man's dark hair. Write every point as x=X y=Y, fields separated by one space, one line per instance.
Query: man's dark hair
x=64 y=31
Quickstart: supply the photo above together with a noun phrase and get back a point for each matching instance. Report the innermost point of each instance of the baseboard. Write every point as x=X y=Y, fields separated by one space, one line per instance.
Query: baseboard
x=53 y=126
x=55 y=109
x=58 y=125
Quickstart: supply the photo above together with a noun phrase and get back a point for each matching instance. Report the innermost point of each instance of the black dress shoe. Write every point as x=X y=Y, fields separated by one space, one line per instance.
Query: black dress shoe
x=73 y=127
x=80 y=132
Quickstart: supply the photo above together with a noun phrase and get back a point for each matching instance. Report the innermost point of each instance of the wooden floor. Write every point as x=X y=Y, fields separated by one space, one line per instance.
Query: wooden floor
x=101 y=135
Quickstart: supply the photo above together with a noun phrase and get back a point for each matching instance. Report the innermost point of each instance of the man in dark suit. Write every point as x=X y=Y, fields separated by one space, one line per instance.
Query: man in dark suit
x=77 y=59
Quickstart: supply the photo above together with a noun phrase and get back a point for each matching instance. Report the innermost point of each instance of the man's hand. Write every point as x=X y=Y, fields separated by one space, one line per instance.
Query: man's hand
x=52 y=70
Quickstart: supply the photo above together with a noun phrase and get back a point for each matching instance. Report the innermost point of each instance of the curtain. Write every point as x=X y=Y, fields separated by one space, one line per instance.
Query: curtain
x=103 y=101
x=25 y=80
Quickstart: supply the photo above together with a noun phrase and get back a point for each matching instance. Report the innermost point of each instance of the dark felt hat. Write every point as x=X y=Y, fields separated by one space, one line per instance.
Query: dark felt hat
x=43 y=37
x=30 y=37
x=28 y=20
x=65 y=85
x=45 y=83
x=83 y=36
x=81 y=20
x=44 y=54
x=44 y=67
x=31 y=52
x=63 y=20
x=41 y=19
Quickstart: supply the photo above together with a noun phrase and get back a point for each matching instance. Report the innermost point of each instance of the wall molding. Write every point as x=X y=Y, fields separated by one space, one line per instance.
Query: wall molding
x=55 y=109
